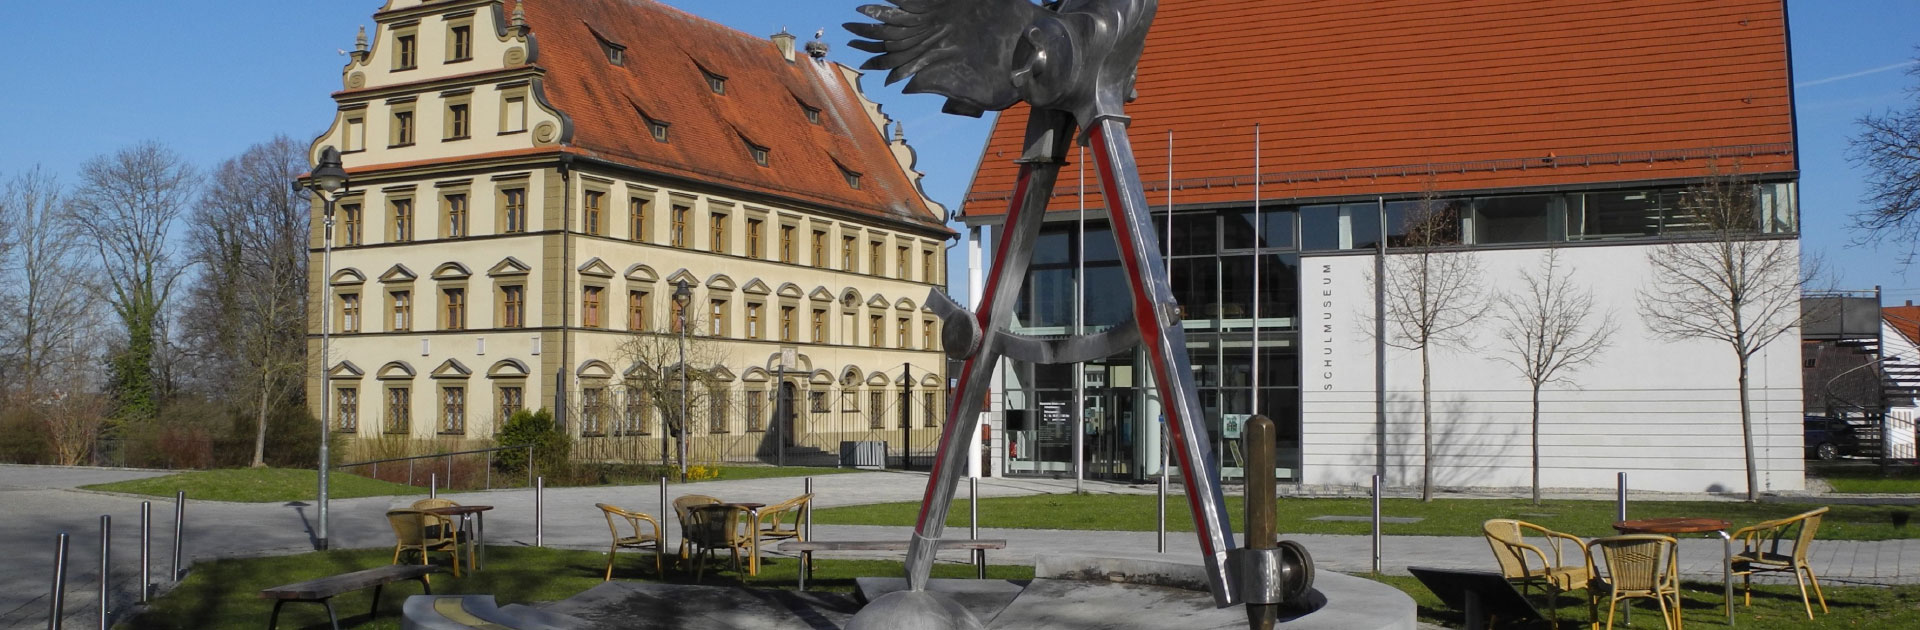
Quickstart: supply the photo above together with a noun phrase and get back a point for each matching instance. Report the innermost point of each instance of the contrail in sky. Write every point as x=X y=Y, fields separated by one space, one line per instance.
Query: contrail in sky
x=1861 y=73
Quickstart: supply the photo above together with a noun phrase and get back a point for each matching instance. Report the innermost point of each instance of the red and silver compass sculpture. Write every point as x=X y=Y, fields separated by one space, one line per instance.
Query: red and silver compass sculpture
x=1073 y=62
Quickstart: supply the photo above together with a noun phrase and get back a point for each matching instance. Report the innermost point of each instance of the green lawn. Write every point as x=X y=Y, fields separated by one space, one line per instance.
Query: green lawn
x=257 y=485
x=223 y=594
x=1775 y=607
x=730 y=473
x=1444 y=517
x=1870 y=479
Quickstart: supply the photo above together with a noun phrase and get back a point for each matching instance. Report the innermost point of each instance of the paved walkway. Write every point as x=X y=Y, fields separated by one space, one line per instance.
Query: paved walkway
x=37 y=503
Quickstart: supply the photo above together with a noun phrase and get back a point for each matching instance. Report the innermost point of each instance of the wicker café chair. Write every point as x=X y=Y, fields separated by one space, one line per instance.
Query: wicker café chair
x=1761 y=553
x=712 y=526
x=437 y=523
x=1528 y=567
x=1644 y=566
x=414 y=530
x=641 y=539
x=682 y=511
x=781 y=521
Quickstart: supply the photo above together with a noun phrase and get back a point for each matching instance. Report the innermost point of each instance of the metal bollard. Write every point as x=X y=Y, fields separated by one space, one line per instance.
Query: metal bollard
x=663 y=506
x=1376 y=524
x=146 y=547
x=1620 y=501
x=433 y=485
x=179 y=517
x=57 y=602
x=106 y=558
x=539 y=511
x=807 y=523
x=1160 y=512
x=973 y=499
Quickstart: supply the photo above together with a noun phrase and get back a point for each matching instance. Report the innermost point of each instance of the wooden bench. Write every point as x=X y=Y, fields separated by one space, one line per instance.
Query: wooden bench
x=324 y=589
x=806 y=548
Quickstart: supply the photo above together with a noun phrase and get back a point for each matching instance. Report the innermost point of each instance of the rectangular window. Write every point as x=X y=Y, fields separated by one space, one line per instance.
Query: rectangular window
x=350 y=224
x=402 y=220
x=754 y=227
x=402 y=128
x=511 y=399
x=402 y=305
x=514 y=207
x=513 y=306
x=717 y=232
x=458 y=121
x=877 y=416
x=927 y=336
x=903 y=333
x=590 y=212
x=717 y=410
x=459 y=42
x=933 y=411
x=658 y=129
x=786 y=323
x=817 y=402
x=590 y=307
x=753 y=320
x=456 y=205
x=678 y=314
x=819 y=249
x=1519 y=219
x=639 y=410
x=717 y=324
x=876 y=258
x=347 y=401
x=513 y=113
x=405 y=50
x=355 y=136
x=399 y=409
x=927 y=261
x=756 y=411
x=592 y=410
x=456 y=300
x=846 y=253
x=637 y=229
x=819 y=325
x=350 y=312
x=787 y=252
x=637 y=311
x=453 y=410
x=677 y=234
x=876 y=331
x=901 y=264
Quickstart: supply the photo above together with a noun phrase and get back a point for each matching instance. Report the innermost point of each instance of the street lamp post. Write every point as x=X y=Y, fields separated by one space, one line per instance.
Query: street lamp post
x=328 y=179
x=682 y=294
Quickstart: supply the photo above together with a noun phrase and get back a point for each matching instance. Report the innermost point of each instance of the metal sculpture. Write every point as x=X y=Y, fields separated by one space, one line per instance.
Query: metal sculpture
x=1073 y=61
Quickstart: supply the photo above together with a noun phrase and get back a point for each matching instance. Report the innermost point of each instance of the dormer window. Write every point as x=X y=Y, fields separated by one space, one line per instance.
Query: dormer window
x=616 y=53
x=853 y=179
x=759 y=153
x=658 y=129
x=813 y=113
x=716 y=83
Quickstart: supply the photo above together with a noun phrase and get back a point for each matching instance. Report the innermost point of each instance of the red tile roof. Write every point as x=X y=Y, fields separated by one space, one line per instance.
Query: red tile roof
x=667 y=52
x=1481 y=93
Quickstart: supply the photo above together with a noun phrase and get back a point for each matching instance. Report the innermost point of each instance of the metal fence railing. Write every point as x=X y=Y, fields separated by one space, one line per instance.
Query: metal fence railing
x=458 y=469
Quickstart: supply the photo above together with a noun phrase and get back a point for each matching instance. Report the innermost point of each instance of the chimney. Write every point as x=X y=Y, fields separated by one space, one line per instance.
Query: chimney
x=783 y=40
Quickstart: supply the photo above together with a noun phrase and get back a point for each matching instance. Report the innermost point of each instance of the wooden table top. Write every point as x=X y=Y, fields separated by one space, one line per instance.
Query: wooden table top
x=457 y=510
x=1675 y=525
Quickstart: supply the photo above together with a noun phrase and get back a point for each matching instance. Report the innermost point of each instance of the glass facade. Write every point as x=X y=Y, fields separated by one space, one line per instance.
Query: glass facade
x=1235 y=274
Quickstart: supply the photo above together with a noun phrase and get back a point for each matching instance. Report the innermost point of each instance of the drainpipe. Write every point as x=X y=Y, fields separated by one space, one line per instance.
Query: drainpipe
x=566 y=291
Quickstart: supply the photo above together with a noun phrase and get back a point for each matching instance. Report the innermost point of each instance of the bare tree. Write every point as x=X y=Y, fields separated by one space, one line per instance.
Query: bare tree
x=650 y=360
x=124 y=211
x=1547 y=332
x=1889 y=148
x=249 y=303
x=1725 y=282
x=1434 y=299
x=45 y=309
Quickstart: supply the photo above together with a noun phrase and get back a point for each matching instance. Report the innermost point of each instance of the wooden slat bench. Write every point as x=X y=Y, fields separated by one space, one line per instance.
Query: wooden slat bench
x=324 y=589
x=806 y=548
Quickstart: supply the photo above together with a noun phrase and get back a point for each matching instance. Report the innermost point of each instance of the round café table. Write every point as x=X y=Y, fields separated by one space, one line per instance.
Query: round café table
x=1691 y=525
x=477 y=548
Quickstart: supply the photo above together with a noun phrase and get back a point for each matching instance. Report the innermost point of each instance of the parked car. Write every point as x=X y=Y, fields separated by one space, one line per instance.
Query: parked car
x=1830 y=438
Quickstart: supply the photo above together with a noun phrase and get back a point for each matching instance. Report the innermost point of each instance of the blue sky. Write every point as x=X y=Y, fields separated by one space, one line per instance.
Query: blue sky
x=209 y=78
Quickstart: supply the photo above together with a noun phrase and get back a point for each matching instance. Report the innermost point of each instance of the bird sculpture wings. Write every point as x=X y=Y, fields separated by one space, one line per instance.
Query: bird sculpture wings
x=961 y=49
